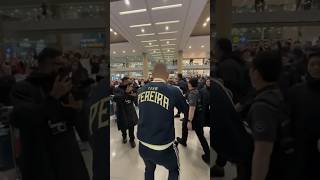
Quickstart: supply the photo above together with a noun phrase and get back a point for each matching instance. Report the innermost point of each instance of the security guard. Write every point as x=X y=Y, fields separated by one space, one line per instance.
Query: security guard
x=156 y=131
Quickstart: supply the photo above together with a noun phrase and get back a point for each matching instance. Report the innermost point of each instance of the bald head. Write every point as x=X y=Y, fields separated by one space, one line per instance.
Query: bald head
x=160 y=71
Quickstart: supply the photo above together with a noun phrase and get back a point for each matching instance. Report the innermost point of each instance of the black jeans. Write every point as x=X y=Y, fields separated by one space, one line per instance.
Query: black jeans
x=168 y=158
x=200 y=134
x=131 y=133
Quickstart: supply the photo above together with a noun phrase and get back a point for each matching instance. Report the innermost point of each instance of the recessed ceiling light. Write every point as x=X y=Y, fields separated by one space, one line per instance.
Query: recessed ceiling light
x=168 y=50
x=139 y=25
x=148 y=41
x=204 y=24
x=133 y=51
x=189 y=47
x=127 y=2
x=123 y=52
x=167 y=7
x=142 y=30
x=168 y=39
x=111 y=29
x=202 y=46
x=154 y=51
x=133 y=11
x=115 y=33
x=170 y=32
x=168 y=42
x=167 y=28
x=151 y=34
x=150 y=44
x=208 y=19
x=114 y=52
x=167 y=22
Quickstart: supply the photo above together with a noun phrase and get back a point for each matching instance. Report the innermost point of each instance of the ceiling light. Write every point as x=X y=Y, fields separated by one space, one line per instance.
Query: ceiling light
x=168 y=39
x=148 y=41
x=114 y=52
x=167 y=7
x=133 y=11
x=168 y=50
x=140 y=25
x=142 y=30
x=204 y=24
x=151 y=34
x=154 y=51
x=167 y=28
x=115 y=33
x=189 y=47
x=202 y=46
x=133 y=51
x=168 y=45
x=127 y=2
x=208 y=19
x=152 y=46
x=167 y=22
x=123 y=52
x=111 y=29
x=168 y=42
x=171 y=32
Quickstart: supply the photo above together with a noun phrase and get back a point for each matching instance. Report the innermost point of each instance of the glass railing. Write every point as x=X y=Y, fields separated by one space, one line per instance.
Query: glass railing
x=62 y=11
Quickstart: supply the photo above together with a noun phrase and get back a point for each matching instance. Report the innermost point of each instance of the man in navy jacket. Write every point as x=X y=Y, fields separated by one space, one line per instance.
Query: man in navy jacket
x=156 y=132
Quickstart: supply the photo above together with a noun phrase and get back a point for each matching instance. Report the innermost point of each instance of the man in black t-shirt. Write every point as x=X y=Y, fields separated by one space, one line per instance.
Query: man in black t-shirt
x=265 y=117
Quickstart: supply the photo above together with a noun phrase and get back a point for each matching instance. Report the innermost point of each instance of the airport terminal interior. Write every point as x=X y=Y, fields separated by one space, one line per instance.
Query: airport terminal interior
x=178 y=33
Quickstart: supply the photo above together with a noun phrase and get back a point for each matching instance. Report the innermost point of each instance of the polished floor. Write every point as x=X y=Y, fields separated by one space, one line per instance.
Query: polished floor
x=126 y=163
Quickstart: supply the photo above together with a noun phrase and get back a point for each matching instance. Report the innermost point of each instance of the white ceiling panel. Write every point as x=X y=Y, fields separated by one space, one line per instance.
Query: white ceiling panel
x=187 y=15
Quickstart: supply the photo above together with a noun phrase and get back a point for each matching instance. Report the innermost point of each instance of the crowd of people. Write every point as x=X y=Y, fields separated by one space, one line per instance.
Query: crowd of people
x=50 y=113
x=273 y=89
x=261 y=102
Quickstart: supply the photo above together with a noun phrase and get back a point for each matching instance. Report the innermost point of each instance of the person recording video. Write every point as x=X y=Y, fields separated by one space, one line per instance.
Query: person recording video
x=45 y=111
x=125 y=97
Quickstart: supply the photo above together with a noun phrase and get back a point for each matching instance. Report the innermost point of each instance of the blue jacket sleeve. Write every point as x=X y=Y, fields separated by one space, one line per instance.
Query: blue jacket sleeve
x=181 y=103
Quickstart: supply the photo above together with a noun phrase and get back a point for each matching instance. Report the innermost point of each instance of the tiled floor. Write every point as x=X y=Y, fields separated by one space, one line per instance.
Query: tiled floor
x=126 y=163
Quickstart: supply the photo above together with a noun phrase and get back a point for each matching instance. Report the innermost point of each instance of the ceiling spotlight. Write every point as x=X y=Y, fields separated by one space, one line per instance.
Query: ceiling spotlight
x=123 y=52
x=204 y=24
x=111 y=29
x=115 y=33
x=189 y=47
x=127 y=2
x=167 y=28
x=133 y=51
x=142 y=30
x=114 y=52
x=168 y=50
x=154 y=51
x=168 y=42
x=202 y=46
x=208 y=19
x=150 y=44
